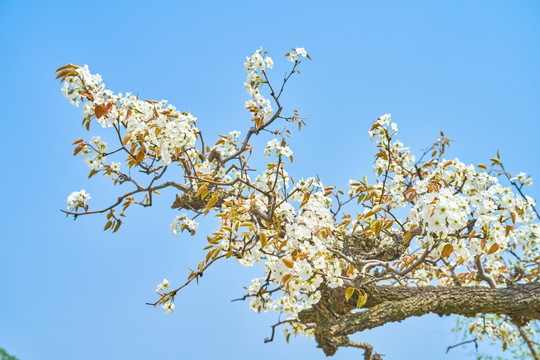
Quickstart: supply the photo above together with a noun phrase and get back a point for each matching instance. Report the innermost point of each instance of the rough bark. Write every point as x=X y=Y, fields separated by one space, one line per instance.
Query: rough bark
x=333 y=320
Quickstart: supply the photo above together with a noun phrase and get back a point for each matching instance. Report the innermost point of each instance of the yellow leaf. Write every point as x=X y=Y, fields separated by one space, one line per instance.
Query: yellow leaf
x=264 y=239
x=306 y=199
x=378 y=227
x=407 y=237
x=288 y=263
x=107 y=225
x=349 y=292
x=375 y=209
x=213 y=200
x=362 y=299
x=447 y=250
x=508 y=229
x=285 y=278
x=493 y=248
x=126 y=139
x=216 y=252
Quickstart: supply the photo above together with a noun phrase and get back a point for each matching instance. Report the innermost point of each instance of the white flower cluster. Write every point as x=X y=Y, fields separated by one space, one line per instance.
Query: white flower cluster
x=182 y=222
x=299 y=258
x=162 y=288
x=441 y=213
x=77 y=199
x=161 y=129
x=295 y=56
x=227 y=145
x=276 y=148
x=93 y=153
x=481 y=203
x=84 y=82
x=259 y=106
x=401 y=158
x=523 y=179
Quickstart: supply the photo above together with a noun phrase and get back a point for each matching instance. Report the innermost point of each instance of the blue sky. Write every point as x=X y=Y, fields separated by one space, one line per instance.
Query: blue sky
x=72 y=291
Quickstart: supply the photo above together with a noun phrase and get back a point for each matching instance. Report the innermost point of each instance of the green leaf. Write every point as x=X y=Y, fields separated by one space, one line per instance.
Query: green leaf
x=349 y=292
x=362 y=299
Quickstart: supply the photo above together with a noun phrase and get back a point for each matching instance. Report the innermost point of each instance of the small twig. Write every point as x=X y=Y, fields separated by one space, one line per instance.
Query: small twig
x=271 y=338
x=475 y=341
x=529 y=343
x=518 y=188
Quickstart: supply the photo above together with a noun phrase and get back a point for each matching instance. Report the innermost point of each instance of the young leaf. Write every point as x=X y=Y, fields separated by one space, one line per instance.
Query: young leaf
x=349 y=292
x=493 y=248
x=107 y=225
x=306 y=199
x=288 y=263
x=264 y=239
x=362 y=299
x=285 y=278
x=447 y=250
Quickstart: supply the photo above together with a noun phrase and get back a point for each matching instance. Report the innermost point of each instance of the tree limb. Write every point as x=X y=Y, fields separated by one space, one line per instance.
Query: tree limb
x=333 y=318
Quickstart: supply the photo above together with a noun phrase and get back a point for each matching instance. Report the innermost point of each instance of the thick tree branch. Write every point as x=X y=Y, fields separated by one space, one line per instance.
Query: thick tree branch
x=333 y=318
x=389 y=304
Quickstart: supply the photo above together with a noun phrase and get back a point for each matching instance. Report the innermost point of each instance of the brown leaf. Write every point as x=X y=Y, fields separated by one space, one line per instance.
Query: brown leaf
x=285 y=278
x=305 y=200
x=447 y=250
x=98 y=110
x=102 y=109
x=264 y=239
x=107 y=225
x=288 y=263
x=126 y=139
x=78 y=149
x=493 y=248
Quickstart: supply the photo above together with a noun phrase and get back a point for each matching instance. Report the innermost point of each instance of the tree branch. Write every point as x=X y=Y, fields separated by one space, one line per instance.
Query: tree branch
x=333 y=318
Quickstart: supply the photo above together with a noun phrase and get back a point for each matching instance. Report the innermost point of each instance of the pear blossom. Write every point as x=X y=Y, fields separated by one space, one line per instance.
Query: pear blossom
x=77 y=199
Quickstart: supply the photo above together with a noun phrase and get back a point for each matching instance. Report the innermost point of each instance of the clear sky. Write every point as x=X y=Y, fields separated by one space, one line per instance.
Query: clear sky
x=71 y=291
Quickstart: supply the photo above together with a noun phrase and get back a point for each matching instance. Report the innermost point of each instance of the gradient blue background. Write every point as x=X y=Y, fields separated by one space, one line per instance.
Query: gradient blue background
x=71 y=291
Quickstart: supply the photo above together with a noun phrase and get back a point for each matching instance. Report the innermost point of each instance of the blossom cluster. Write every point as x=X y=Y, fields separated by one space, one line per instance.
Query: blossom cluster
x=259 y=106
x=523 y=179
x=156 y=129
x=77 y=199
x=162 y=288
x=298 y=257
x=296 y=54
x=277 y=148
x=183 y=222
